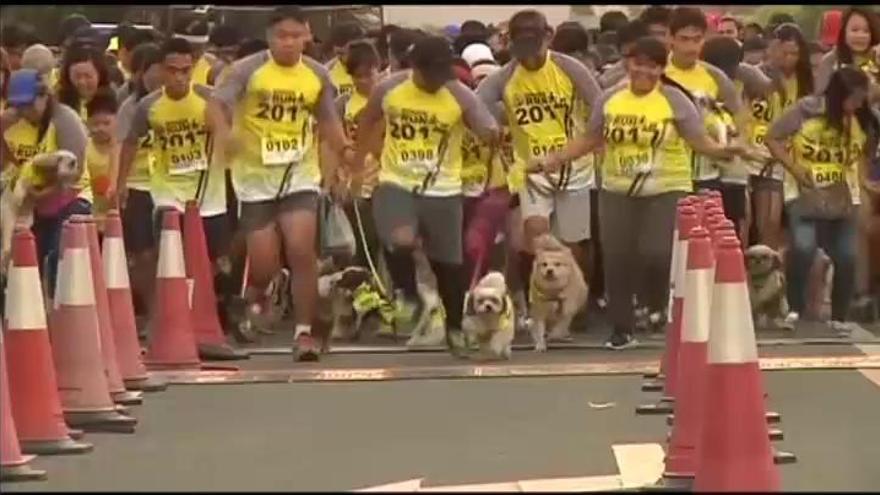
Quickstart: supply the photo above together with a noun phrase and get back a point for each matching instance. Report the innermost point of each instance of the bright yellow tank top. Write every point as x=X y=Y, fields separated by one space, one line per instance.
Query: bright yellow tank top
x=641 y=140
x=542 y=111
x=275 y=123
x=423 y=136
x=353 y=106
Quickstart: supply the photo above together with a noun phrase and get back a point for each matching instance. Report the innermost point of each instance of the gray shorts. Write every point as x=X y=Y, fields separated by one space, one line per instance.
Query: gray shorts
x=438 y=221
x=258 y=215
x=567 y=211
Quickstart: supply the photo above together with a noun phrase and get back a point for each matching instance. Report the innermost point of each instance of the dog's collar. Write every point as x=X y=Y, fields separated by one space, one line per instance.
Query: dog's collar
x=537 y=293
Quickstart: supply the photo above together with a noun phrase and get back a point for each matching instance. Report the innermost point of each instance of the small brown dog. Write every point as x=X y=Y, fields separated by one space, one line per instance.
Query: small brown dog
x=767 y=288
x=557 y=291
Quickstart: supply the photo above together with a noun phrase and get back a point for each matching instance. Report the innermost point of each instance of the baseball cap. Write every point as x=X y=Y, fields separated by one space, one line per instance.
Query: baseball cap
x=39 y=58
x=477 y=52
x=23 y=88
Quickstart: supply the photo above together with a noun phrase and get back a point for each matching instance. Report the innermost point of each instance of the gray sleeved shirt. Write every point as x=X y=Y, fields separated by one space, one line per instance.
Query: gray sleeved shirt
x=71 y=134
x=475 y=113
x=613 y=75
x=233 y=87
x=826 y=67
x=756 y=84
x=687 y=118
x=793 y=119
x=139 y=124
x=727 y=93
x=491 y=90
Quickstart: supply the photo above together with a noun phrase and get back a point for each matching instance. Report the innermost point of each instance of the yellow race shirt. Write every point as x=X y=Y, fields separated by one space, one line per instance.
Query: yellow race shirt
x=201 y=70
x=828 y=155
x=351 y=107
x=275 y=111
x=340 y=77
x=424 y=131
x=645 y=153
x=65 y=132
x=98 y=166
x=139 y=175
x=181 y=148
x=542 y=109
x=482 y=167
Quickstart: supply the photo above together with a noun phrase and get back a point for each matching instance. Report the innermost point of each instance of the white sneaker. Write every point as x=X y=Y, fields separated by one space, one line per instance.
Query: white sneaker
x=792 y=317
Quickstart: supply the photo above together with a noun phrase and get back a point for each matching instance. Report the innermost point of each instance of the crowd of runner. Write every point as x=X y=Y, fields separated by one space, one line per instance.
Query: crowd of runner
x=454 y=152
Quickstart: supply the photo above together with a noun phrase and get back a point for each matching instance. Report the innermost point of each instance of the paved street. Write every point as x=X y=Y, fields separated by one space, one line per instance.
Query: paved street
x=342 y=436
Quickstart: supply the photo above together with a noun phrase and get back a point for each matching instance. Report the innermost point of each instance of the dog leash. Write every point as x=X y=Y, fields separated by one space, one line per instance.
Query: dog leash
x=363 y=239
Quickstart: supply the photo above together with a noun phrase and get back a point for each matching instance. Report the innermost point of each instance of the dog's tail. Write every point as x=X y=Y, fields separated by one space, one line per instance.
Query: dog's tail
x=547 y=242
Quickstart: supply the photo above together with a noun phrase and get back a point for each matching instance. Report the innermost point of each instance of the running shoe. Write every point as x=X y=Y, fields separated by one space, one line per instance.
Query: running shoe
x=305 y=348
x=456 y=343
x=844 y=329
x=408 y=315
x=620 y=341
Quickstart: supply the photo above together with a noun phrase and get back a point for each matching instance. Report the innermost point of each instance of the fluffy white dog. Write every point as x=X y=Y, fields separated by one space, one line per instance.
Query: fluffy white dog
x=489 y=317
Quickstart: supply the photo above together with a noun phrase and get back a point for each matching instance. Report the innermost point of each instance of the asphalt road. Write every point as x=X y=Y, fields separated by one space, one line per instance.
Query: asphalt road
x=341 y=436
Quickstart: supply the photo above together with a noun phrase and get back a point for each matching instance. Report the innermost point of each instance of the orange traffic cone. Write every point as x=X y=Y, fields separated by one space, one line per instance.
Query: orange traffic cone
x=76 y=342
x=108 y=345
x=172 y=343
x=687 y=220
x=209 y=336
x=128 y=349
x=734 y=451
x=33 y=387
x=658 y=385
x=13 y=465
x=681 y=459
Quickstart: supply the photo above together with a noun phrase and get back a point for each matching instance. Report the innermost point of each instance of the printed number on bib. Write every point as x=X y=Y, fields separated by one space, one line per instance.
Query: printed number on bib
x=632 y=163
x=281 y=151
x=185 y=152
x=827 y=175
x=187 y=162
x=418 y=161
x=544 y=147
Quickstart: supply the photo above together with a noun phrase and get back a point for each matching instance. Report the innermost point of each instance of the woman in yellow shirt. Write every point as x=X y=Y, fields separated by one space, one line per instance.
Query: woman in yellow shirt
x=36 y=124
x=858 y=36
x=648 y=128
x=825 y=141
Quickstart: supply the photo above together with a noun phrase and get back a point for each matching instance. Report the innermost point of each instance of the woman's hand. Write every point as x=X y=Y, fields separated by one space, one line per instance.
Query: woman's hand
x=547 y=164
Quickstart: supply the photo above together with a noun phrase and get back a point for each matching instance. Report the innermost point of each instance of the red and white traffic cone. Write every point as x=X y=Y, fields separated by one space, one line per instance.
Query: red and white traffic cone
x=688 y=218
x=657 y=385
x=128 y=349
x=681 y=459
x=13 y=465
x=172 y=343
x=76 y=342
x=209 y=336
x=734 y=449
x=108 y=344
x=33 y=387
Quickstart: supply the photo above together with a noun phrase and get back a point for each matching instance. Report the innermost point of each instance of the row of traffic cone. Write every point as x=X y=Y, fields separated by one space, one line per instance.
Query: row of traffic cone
x=710 y=375
x=81 y=368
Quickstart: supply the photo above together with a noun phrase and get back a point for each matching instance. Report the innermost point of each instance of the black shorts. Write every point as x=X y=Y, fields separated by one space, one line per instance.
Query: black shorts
x=231 y=203
x=733 y=197
x=137 y=222
x=258 y=215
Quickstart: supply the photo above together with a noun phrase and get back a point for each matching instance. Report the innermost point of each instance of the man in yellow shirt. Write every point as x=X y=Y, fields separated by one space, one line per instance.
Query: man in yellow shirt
x=279 y=101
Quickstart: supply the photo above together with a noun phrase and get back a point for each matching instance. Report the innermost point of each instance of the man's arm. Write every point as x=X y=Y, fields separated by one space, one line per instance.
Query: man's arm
x=476 y=115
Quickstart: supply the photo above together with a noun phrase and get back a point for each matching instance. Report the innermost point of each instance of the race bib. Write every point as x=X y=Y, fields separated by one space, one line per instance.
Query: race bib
x=418 y=162
x=539 y=148
x=825 y=175
x=631 y=163
x=281 y=150
x=187 y=162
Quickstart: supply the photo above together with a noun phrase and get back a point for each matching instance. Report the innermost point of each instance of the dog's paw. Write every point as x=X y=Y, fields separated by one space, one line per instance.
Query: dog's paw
x=540 y=346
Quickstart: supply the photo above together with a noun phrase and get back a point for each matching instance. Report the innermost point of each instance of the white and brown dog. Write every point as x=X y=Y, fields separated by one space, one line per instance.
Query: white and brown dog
x=59 y=169
x=557 y=291
x=489 y=317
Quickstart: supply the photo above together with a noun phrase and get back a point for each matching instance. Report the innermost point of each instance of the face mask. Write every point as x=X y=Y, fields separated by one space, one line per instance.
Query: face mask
x=526 y=47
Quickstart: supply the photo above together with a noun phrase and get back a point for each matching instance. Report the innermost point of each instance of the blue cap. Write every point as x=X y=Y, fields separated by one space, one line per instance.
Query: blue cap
x=24 y=86
x=452 y=30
